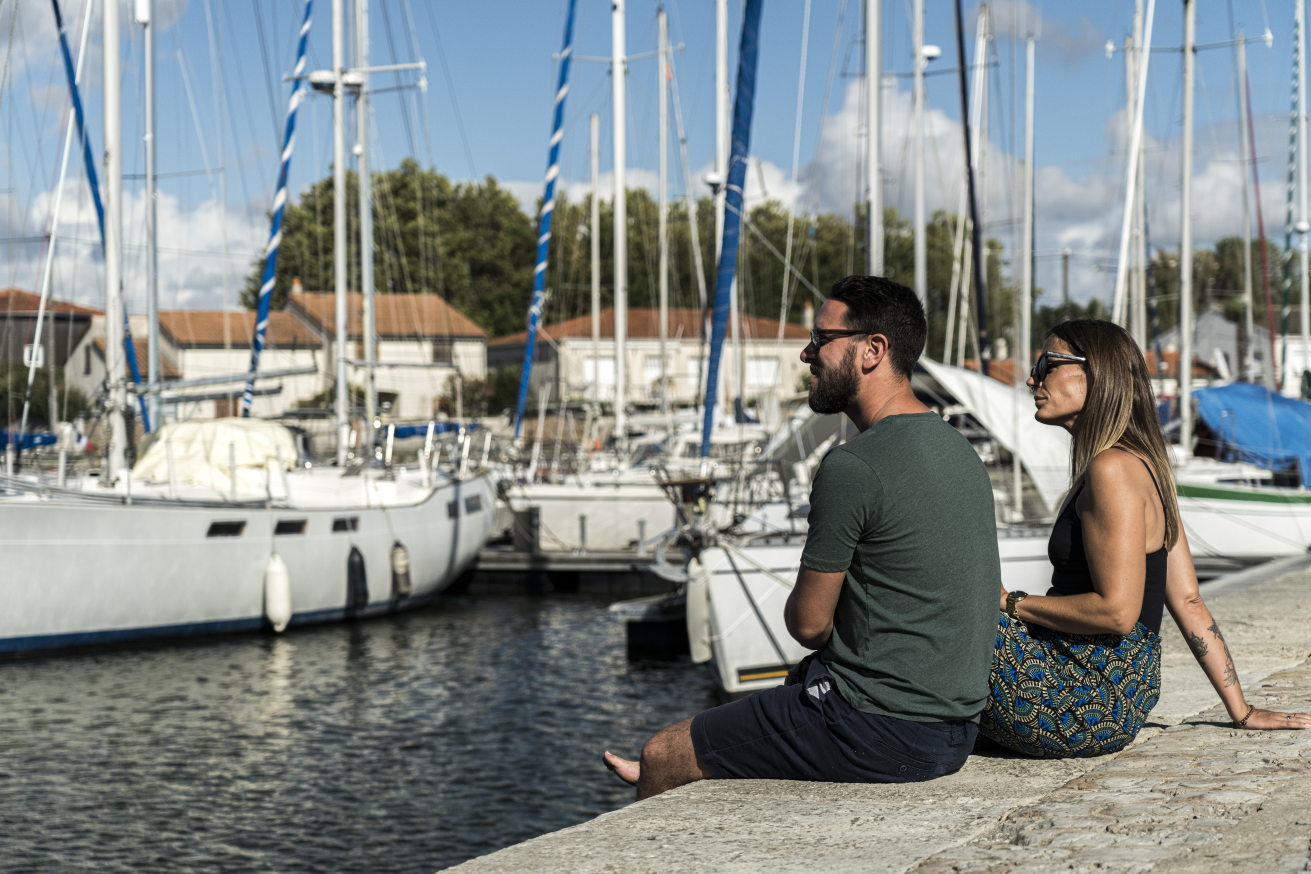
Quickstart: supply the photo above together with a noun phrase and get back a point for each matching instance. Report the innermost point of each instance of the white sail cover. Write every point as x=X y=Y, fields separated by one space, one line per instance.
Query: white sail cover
x=204 y=450
x=1043 y=450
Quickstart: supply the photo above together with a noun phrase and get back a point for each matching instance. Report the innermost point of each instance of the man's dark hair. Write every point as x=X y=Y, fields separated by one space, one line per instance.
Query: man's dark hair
x=880 y=306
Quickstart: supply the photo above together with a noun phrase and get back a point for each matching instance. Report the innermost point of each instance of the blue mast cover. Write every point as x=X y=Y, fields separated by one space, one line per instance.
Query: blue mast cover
x=743 y=104
x=275 y=229
x=548 y=210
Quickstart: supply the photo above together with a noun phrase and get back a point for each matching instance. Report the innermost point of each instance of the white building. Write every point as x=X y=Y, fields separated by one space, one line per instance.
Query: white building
x=566 y=364
x=422 y=342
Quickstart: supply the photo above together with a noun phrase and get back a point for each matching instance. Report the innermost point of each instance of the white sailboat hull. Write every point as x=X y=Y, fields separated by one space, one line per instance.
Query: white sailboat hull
x=87 y=573
x=736 y=598
x=1246 y=524
x=616 y=512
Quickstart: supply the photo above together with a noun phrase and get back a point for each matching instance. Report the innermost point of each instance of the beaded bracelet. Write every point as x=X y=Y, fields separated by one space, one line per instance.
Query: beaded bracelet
x=1240 y=723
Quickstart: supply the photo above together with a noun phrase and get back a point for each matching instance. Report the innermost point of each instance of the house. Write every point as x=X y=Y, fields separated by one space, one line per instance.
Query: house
x=422 y=343
x=65 y=326
x=566 y=365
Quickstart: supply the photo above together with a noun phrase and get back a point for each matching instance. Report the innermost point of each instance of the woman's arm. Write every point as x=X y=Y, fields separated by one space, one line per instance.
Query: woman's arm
x=1111 y=511
x=1203 y=636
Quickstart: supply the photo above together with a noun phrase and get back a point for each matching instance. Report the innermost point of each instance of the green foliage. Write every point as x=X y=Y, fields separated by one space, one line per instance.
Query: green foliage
x=469 y=242
x=13 y=375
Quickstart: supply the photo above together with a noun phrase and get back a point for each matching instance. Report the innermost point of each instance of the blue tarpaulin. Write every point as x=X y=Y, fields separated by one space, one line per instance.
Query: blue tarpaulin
x=404 y=431
x=1258 y=426
x=30 y=440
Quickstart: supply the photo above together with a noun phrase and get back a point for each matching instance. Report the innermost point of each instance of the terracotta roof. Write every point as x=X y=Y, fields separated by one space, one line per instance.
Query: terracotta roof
x=399 y=316
x=1003 y=369
x=18 y=301
x=645 y=324
x=168 y=369
x=193 y=328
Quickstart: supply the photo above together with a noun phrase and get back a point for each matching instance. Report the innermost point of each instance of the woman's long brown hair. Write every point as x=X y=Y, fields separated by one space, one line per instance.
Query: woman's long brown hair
x=1120 y=408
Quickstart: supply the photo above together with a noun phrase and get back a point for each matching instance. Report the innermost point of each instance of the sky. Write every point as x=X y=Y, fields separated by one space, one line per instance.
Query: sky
x=483 y=108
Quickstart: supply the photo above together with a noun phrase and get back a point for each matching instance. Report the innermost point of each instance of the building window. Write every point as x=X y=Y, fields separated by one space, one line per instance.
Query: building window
x=443 y=351
x=86 y=360
x=651 y=373
x=605 y=386
x=762 y=372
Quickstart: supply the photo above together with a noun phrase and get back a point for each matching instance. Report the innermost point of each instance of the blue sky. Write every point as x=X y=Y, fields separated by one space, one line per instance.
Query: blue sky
x=486 y=111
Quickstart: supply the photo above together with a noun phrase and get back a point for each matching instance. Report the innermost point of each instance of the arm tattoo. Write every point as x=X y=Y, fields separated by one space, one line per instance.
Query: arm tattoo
x=1197 y=645
x=1230 y=674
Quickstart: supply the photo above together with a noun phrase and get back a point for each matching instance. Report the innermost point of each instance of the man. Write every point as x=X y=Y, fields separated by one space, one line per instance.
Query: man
x=897 y=591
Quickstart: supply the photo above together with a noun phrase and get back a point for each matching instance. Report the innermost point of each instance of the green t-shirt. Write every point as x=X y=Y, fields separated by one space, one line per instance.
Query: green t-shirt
x=906 y=510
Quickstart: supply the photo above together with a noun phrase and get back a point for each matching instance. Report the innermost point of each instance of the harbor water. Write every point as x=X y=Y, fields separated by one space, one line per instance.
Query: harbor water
x=403 y=744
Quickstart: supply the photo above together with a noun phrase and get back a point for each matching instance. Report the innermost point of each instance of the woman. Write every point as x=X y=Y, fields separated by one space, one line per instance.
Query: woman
x=1075 y=672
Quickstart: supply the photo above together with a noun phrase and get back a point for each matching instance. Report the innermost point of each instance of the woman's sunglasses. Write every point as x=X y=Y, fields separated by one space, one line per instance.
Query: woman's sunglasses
x=1047 y=360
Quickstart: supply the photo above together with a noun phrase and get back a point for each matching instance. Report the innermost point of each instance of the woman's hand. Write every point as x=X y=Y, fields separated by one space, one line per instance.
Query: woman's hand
x=1273 y=720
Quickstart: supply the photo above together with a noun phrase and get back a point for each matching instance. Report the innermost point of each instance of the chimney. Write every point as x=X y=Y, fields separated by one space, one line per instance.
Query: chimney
x=807 y=315
x=295 y=285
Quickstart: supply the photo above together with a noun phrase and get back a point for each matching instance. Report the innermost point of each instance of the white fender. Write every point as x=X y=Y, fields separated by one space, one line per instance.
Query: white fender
x=277 y=592
x=698 y=612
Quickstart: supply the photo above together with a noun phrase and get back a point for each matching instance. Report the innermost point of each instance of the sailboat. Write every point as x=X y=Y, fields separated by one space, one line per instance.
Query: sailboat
x=223 y=527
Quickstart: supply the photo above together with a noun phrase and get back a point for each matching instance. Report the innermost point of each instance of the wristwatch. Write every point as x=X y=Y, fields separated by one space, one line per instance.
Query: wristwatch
x=1012 y=600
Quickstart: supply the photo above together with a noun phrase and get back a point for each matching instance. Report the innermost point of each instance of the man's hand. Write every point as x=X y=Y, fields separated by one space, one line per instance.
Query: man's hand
x=798 y=672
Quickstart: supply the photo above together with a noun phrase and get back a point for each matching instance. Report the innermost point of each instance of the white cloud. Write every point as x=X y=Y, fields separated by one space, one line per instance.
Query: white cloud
x=191 y=261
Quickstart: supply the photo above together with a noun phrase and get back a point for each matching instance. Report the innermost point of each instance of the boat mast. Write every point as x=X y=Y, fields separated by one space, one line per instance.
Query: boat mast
x=721 y=118
x=921 y=247
x=145 y=15
x=1140 y=207
x=368 y=326
x=1022 y=341
x=1135 y=149
x=662 y=69
x=1185 y=223
x=596 y=258
x=976 y=247
x=115 y=328
x=1304 y=221
x=1249 y=360
x=619 y=74
x=873 y=144
x=339 y=225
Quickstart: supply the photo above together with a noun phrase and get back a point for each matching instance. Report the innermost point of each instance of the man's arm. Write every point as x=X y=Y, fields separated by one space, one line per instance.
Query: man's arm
x=809 y=610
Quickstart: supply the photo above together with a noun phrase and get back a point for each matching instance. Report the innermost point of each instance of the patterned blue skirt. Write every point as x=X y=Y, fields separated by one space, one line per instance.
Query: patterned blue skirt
x=1057 y=695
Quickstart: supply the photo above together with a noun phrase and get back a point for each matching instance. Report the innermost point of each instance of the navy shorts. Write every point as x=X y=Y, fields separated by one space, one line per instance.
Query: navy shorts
x=808 y=731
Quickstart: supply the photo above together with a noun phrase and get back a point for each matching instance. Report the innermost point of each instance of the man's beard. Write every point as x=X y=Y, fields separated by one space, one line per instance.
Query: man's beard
x=835 y=387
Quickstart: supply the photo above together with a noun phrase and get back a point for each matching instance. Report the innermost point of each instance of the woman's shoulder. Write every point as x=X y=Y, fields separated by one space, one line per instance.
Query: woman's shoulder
x=1116 y=468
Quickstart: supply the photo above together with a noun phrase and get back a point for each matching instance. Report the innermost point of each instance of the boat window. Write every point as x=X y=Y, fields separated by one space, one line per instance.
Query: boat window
x=453 y=510
x=473 y=504
x=290 y=526
x=225 y=529
x=346 y=523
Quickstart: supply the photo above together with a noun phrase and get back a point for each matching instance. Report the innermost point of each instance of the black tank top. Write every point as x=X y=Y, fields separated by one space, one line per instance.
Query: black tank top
x=1070 y=572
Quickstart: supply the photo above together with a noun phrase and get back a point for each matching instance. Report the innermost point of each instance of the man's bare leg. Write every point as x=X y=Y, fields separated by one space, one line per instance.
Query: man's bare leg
x=669 y=760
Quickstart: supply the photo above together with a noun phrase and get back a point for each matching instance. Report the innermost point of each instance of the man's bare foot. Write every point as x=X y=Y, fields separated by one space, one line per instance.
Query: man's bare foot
x=624 y=769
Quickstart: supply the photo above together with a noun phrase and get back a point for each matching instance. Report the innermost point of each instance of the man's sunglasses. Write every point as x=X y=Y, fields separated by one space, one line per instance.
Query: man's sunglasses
x=1045 y=363
x=818 y=338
